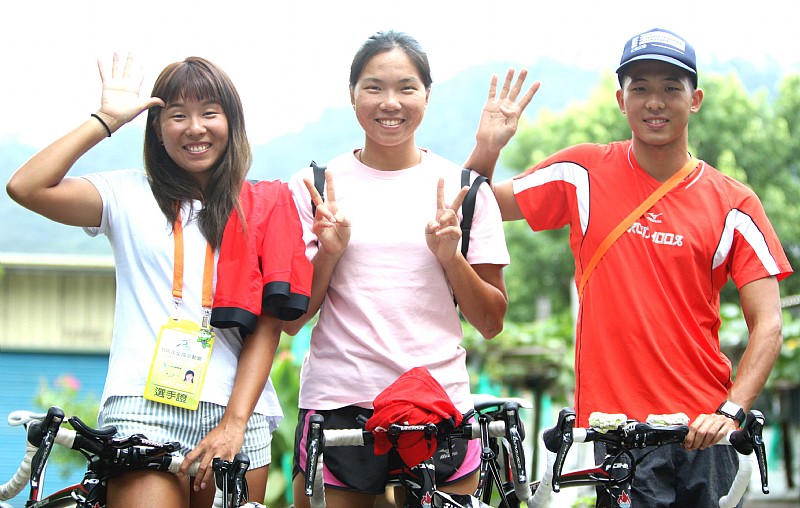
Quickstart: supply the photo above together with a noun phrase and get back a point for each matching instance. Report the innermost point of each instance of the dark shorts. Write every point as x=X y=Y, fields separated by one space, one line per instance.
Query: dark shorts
x=671 y=476
x=358 y=469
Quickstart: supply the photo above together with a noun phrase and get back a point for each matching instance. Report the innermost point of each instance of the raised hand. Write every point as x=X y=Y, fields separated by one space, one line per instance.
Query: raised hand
x=330 y=225
x=443 y=233
x=501 y=113
x=120 y=102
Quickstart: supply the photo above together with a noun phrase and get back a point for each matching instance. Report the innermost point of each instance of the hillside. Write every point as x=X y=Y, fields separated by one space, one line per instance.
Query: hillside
x=448 y=129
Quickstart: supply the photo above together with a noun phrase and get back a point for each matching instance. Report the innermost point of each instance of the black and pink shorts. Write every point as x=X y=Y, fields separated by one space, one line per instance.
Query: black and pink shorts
x=358 y=469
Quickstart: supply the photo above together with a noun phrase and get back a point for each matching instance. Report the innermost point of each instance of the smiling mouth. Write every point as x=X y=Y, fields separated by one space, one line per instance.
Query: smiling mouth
x=390 y=123
x=197 y=148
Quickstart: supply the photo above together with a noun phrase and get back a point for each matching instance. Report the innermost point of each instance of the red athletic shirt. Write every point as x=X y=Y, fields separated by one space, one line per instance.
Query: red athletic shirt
x=262 y=266
x=647 y=332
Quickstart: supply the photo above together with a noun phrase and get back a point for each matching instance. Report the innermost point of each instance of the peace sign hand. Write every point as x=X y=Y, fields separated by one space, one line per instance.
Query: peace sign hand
x=443 y=233
x=120 y=102
x=501 y=113
x=330 y=225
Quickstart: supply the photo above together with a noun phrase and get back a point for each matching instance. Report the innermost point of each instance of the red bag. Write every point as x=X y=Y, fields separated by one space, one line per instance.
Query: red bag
x=415 y=398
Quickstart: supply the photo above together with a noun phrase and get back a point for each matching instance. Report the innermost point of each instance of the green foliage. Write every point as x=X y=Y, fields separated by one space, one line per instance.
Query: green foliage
x=742 y=134
x=585 y=502
x=734 y=336
x=534 y=355
x=285 y=376
x=755 y=141
x=65 y=393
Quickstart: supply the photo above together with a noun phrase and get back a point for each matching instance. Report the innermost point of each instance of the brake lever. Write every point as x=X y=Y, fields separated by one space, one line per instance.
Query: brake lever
x=241 y=462
x=314 y=447
x=558 y=440
x=515 y=434
x=755 y=424
x=43 y=435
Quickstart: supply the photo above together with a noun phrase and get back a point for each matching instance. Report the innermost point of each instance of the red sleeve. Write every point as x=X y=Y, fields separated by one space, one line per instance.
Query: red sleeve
x=262 y=266
x=286 y=272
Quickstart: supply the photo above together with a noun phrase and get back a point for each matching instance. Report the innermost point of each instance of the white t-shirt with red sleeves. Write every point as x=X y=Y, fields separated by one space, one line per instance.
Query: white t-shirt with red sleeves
x=389 y=306
x=143 y=247
x=647 y=332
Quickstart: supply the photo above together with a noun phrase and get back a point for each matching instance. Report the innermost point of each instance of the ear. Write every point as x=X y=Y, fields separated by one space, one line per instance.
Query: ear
x=427 y=96
x=621 y=101
x=697 y=100
x=352 y=98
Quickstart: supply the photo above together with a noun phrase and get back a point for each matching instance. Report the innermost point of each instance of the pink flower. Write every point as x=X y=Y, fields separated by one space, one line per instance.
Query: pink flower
x=69 y=382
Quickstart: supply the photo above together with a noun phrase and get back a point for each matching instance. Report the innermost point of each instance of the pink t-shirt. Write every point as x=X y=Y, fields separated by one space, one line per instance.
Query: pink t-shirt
x=389 y=306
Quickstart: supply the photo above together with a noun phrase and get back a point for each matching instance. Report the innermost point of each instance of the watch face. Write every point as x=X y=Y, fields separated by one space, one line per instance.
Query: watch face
x=732 y=410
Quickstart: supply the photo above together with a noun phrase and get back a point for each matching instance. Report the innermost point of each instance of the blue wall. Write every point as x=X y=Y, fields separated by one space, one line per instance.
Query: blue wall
x=20 y=377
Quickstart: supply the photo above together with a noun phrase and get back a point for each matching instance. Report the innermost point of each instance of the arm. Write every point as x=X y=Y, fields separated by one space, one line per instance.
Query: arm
x=255 y=364
x=41 y=184
x=480 y=289
x=333 y=234
x=762 y=311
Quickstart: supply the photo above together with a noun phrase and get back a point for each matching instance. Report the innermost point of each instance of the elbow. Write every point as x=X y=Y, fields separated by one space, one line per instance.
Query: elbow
x=492 y=330
x=492 y=324
x=13 y=191
x=494 y=318
x=291 y=328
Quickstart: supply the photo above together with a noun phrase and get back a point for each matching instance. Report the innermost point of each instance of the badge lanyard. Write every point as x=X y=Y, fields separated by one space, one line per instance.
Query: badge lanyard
x=183 y=349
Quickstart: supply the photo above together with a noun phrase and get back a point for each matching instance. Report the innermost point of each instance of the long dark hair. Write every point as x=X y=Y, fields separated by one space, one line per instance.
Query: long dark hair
x=387 y=41
x=198 y=79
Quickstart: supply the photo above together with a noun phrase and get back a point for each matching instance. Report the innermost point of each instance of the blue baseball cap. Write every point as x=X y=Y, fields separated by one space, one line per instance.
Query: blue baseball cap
x=663 y=45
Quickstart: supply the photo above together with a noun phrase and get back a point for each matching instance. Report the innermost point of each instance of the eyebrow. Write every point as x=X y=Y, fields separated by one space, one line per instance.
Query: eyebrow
x=207 y=102
x=411 y=79
x=673 y=78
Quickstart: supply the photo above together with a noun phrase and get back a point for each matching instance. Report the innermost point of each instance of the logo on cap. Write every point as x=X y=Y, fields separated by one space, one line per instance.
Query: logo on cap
x=664 y=39
x=662 y=45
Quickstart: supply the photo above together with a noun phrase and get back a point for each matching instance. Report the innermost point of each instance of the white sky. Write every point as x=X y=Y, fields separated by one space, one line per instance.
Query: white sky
x=291 y=59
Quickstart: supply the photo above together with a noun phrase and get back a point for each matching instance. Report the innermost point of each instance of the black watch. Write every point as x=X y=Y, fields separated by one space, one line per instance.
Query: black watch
x=733 y=411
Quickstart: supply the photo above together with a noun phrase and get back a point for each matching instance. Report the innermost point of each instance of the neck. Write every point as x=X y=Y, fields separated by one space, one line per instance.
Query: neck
x=391 y=158
x=660 y=162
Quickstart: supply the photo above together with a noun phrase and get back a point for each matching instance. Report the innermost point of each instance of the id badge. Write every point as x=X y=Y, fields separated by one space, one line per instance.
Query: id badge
x=179 y=364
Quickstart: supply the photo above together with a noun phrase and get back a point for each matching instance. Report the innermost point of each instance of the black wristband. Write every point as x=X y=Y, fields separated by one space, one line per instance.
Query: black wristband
x=103 y=123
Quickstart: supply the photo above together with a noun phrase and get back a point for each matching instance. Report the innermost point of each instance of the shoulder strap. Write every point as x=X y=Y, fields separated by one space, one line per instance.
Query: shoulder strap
x=468 y=207
x=319 y=183
x=635 y=214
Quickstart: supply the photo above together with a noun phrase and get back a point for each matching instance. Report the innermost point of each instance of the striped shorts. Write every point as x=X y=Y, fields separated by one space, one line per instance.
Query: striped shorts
x=163 y=423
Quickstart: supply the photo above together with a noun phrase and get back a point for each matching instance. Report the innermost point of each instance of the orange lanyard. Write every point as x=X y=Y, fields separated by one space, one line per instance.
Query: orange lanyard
x=635 y=214
x=177 y=274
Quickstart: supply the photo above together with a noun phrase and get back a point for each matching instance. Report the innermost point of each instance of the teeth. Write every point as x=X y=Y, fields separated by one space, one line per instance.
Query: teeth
x=197 y=148
x=390 y=123
x=657 y=121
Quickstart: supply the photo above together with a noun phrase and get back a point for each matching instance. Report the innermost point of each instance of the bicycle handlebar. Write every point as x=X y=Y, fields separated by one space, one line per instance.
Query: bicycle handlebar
x=318 y=439
x=634 y=434
x=43 y=431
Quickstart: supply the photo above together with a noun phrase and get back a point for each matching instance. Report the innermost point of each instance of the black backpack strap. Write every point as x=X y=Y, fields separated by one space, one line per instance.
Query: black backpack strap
x=319 y=183
x=468 y=207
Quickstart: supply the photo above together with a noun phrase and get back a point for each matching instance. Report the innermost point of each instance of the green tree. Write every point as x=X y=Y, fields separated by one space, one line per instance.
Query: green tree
x=742 y=134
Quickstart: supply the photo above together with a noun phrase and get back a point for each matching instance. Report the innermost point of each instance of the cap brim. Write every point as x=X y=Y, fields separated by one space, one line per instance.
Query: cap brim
x=662 y=58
